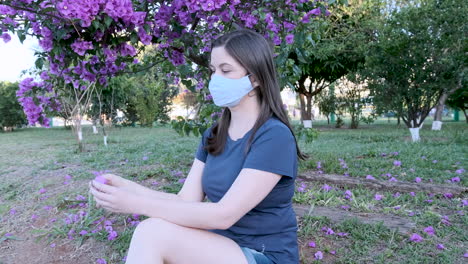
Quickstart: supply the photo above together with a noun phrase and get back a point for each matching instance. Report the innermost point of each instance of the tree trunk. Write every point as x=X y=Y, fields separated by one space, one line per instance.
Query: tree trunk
x=95 y=131
x=306 y=110
x=437 y=124
x=78 y=131
x=303 y=107
x=466 y=117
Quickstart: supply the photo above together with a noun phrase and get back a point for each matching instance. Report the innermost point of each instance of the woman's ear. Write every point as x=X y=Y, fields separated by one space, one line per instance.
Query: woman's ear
x=254 y=82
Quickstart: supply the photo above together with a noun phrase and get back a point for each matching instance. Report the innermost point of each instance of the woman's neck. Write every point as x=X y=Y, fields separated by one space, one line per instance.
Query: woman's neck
x=244 y=116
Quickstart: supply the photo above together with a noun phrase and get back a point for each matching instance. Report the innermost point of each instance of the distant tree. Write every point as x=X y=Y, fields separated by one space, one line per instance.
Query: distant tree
x=11 y=112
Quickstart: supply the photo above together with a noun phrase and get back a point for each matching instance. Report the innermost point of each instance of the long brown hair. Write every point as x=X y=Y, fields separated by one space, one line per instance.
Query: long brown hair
x=254 y=53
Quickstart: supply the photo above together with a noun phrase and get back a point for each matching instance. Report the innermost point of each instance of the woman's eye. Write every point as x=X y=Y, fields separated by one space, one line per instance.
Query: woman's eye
x=225 y=71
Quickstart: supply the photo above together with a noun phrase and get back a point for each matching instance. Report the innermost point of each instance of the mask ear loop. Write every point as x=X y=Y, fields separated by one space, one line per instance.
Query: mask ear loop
x=254 y=89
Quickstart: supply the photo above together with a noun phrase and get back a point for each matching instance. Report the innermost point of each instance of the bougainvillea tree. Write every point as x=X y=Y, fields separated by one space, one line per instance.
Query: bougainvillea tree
x=84 y=43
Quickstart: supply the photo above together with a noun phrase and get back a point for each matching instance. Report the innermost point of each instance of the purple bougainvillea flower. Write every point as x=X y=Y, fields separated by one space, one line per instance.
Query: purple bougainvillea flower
x=329 y=231
x=397 y=207
x=145 y=158
x=464 y=203
x=396 y=163
x=101 y=179
x=429 y=201
x=445 y=220
x=326 y=187
x=8 y=235
x=13 y=211
x=342 y=234
x=181 y=180
x=52 y=245
x=319 y=164
x=416 y=238
x=417 y=179
x=429 y=230
x=34 y=216
x=448 y=195
x=434 y=161
x=370 y=177
x=83 y=232
x=345 y=207
x=312 y=244
x=396 y=195
x=302 y=188
x=101 y=261
x=411 y=213
x=378 y=197
x=440 y=246
x=455 y=179
x=412 y=194
x=460 y=171
x=465 y=255
x=42 y=190
x=112 y=235
x=319 y=255
x=392 y=179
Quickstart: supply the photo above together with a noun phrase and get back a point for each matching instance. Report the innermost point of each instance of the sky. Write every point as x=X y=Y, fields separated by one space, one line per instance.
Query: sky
x=15 y=57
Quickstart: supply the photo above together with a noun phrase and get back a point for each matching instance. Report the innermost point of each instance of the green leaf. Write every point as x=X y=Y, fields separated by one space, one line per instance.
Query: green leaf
x=95 y=24
x=39 y=63
x=108 y=20
x=21 y=35
x=300 y=56
x=134 y=38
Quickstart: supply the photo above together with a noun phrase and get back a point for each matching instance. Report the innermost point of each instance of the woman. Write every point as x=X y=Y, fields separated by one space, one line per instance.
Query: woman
x=246 y=165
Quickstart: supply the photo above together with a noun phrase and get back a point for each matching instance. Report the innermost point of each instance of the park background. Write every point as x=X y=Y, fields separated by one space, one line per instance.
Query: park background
x=375 y=91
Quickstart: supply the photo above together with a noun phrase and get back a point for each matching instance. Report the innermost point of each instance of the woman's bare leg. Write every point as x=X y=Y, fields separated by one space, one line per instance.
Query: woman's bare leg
x=157 y=241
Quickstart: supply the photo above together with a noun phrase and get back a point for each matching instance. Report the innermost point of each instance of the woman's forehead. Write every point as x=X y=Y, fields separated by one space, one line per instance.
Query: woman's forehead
x=220 y=57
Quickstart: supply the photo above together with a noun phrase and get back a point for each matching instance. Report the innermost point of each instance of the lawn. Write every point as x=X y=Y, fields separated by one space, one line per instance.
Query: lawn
x=45 y=217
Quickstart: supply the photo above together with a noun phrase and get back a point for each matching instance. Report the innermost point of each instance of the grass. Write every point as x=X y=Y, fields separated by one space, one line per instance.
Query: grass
x=36 y=158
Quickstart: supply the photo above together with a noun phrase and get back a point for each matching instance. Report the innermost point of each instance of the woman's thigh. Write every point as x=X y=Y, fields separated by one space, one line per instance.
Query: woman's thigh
x=184 y=245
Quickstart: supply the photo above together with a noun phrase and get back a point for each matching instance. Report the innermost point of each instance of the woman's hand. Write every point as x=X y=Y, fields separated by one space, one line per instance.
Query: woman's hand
x=118 y=194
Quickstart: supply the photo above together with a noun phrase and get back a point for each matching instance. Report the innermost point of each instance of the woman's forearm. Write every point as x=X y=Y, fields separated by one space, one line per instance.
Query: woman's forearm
x=159 y=195
x=185 y=213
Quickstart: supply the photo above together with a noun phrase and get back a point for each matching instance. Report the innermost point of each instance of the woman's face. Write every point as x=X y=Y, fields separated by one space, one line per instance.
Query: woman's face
x=224 y=65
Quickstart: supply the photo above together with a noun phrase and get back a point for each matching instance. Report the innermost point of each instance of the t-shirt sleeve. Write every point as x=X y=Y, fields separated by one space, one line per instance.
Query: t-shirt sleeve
x=202 y=153
x=274 y=151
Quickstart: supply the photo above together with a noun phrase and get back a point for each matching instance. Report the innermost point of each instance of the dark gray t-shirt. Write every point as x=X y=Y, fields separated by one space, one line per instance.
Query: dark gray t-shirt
x=271 y=226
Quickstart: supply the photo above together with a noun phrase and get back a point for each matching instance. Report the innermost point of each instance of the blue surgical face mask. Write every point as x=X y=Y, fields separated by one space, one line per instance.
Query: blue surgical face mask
x=228 y=92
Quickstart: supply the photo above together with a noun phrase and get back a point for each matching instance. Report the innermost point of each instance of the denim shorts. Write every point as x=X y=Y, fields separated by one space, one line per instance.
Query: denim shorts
x=255 y=257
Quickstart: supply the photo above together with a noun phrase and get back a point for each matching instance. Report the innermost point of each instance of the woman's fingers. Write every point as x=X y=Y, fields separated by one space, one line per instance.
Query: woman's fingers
x=101 y=195
x=105 y=188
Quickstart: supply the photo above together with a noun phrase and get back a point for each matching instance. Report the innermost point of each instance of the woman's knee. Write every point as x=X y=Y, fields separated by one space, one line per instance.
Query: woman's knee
x=152 y=226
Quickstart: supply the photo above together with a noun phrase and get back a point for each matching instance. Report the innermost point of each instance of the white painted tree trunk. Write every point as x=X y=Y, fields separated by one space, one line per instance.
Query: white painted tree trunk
x=437 y=125
x=95 y=131
x=80 y=134
x=415 y=134
x=307 y=123
x=105 y=141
